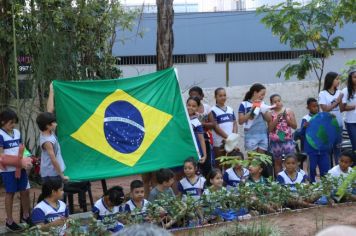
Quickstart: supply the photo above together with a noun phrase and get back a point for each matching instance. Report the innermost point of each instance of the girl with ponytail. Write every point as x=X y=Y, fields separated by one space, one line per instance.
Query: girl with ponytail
x=51 y=211
x=252 y=116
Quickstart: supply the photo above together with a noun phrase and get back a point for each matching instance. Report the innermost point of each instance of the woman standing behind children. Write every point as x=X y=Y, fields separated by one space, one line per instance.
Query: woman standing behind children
x=10 y=141
x=280 y=126
x=251 y=116
x=193 y=104
x=330 y=99
x=349 y=106
x=224 y=120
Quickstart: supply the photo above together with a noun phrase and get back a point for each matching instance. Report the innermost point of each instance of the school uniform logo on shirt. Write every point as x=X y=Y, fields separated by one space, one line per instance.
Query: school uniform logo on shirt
x=232 y=179
x=12 y=144
x=224 y=118
x=128 y=128
x=192 y=189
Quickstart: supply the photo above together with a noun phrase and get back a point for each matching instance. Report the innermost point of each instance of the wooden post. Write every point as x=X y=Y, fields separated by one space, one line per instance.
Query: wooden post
x=227 y=63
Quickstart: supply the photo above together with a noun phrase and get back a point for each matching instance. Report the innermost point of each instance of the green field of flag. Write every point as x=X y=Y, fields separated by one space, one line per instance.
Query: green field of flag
x=119 y=127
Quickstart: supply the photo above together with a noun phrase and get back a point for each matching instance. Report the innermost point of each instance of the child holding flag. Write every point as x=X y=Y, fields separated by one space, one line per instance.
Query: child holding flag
x=203 y=116
x=52 y=164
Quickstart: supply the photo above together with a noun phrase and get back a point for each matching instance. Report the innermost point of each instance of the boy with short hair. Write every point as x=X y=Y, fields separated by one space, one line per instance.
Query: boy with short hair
x=313 y=107
x=344 y=167
x=137 y=205
x=317 y=158
x=52 y=164
x=165 y=180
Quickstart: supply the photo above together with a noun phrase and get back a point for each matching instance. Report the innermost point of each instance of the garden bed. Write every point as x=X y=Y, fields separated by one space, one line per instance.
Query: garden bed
x=301 y=222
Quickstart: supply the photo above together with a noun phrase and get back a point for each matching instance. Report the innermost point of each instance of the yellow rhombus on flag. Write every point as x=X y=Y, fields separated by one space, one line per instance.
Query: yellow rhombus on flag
x=94 y=134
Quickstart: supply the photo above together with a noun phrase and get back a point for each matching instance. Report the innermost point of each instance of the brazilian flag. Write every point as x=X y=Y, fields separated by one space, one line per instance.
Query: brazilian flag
x=120 y=127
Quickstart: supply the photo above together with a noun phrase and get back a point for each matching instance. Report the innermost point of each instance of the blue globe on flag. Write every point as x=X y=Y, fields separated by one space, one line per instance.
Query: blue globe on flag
x=322 y=131
x=123 y=127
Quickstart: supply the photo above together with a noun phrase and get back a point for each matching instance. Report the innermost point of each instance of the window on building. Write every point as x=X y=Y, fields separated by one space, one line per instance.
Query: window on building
x=263 y=56
x=149 y=60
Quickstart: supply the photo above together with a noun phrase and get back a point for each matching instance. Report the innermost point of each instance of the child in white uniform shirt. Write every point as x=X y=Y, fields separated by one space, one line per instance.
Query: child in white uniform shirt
x=344 y=167
x=330 y=99
x=224 y=120
x=137 y=205
x=107 y=208
x=192 y=184
x=349 y=107
x=51 y=211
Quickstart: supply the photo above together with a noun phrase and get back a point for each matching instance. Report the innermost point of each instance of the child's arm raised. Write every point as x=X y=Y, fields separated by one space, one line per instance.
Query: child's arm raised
x=50 y=101
x=48 y=146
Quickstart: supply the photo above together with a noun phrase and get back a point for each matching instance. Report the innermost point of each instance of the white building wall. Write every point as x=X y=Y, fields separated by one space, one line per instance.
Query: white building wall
x=207 y=5
x=253 y=4
x=217 y=5
x=213 y=74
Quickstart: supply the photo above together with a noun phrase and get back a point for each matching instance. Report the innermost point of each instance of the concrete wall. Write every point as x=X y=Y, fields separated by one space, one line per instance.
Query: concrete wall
x=211 y=74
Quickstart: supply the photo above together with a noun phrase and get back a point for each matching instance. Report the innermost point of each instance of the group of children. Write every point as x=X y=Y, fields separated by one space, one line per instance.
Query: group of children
x=267 y=128
x=51 y=211
x=51 y=169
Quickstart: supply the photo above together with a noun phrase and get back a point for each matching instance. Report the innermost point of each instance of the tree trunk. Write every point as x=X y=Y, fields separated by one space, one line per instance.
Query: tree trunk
x=165 y=42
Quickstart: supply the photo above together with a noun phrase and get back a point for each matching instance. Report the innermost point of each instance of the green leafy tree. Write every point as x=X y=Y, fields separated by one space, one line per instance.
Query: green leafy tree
x=311 y=27
x=66 y=40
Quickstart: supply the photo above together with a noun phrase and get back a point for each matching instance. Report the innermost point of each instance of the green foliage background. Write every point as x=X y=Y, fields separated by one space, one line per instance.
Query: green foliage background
x=65 y=39
x=310 y=27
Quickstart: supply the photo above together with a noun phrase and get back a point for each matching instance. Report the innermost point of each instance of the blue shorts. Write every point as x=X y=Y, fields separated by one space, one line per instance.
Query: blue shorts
x=13 y=185
x=256 y=141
